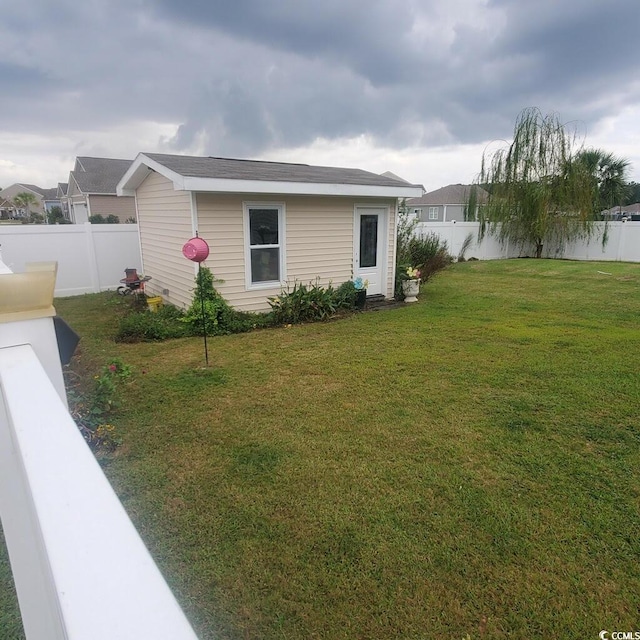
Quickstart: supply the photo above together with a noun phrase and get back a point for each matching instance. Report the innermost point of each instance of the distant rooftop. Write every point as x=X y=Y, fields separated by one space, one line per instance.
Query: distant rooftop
x=451 y=194
x=99 y=175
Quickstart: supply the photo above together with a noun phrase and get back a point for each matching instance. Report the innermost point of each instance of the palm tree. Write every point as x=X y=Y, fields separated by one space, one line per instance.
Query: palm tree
x=24 y=200
x=609 y=175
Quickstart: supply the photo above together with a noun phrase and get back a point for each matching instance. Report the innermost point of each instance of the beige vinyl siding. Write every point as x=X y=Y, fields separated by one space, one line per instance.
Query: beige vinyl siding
x=164 y=219
x=318 y=242
x=122 y=206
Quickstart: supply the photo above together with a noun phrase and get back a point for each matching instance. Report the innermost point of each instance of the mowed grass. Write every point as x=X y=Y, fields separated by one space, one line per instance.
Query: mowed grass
x=466 y=465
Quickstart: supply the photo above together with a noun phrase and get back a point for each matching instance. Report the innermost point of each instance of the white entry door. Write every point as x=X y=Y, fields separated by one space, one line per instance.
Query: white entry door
x=370 y=247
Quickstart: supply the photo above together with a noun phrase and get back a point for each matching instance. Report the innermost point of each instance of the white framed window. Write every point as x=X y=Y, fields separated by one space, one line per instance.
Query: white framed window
x=264 y=244
x=433 y=213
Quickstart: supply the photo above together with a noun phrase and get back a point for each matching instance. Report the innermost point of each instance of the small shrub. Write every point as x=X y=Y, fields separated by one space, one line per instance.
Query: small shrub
x=304 y=303
x=427 y=254
x=345 y=295
x=98 y=218
x=144 y=326
x=91 y=411
x=219 y=317
x=55 y=216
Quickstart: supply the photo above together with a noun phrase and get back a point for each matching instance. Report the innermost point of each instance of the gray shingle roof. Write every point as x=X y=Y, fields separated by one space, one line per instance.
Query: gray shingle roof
x=50 y=194
x=33 y=187
x=227 y=168
x=99 y=175
x=451 y=194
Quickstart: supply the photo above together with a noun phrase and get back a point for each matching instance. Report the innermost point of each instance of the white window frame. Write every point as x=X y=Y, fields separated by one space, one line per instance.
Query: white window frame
x=433 y=213
x=247 y=206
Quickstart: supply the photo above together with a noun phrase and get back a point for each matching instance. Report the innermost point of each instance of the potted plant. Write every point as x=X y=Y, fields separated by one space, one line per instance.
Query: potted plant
x=410 y=283
x=360 y=286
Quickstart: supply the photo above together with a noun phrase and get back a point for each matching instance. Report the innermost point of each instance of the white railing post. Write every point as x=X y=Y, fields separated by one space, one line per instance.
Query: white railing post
x=80 y=569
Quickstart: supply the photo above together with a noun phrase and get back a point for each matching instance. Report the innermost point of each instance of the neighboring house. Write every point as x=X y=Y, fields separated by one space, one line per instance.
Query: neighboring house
x=62 y=190
x=268 y=225
x=629 y=212
x=51 y=199
x=92 y=189
x=46 y=199
x=444 y=205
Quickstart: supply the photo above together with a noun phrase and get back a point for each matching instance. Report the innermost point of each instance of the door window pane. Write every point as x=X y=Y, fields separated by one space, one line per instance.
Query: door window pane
x=263 y=226
x=368 y=240
x=265 y=265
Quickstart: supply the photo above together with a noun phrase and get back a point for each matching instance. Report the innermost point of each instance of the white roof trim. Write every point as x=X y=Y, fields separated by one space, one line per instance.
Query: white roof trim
x=143 y=165
x=140 y=168
x=226 y=185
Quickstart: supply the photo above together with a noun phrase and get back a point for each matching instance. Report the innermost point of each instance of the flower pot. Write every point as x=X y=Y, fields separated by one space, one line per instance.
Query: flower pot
x=361 y=299
x=411 y=288
x=154 y=303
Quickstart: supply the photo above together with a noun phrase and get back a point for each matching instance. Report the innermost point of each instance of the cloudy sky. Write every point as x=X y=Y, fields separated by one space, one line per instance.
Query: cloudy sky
x=417 y=87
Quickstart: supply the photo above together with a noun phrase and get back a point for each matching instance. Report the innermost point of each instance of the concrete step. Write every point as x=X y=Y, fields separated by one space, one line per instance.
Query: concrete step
x=379 y=302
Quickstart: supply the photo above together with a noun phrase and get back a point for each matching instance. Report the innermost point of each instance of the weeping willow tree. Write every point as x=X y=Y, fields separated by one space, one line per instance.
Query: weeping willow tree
x=538 y=193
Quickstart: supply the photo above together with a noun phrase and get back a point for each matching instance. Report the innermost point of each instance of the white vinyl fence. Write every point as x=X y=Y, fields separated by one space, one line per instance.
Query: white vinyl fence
x=90 y=257
x=623 y=242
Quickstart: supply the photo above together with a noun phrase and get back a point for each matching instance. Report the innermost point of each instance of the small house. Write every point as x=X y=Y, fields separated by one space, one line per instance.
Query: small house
x=91 y=190
x=447 y=204
x=267 y=224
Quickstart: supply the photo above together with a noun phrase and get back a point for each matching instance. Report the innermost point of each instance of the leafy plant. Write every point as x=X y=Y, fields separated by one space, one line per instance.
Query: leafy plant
x=55 y=215
x=406 y=230
x=428 y=254
x=304 y=303
x=345 y=295
x=219 y=317
x=143 y=326
x=92 y=411
x=98 y=218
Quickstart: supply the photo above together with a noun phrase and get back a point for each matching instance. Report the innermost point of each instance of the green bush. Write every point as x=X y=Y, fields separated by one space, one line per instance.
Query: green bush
x=92 y=411
x=98 y=218
x=345 y=295
x=219 y=317
x=145 y=326
x=429 y=254
x=304 y=303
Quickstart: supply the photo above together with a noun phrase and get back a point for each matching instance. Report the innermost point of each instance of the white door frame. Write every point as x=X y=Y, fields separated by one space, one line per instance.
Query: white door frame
x=377 y=275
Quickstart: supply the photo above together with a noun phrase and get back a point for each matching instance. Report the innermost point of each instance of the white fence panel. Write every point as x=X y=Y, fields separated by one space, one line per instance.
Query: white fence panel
x=90 y=257
x=623 y=242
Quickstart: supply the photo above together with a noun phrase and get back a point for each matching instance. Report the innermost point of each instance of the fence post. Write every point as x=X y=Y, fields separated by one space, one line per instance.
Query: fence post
x=93 y=261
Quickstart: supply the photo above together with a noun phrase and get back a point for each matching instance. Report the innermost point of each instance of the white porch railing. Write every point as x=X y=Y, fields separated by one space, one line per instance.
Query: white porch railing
x=80 y=568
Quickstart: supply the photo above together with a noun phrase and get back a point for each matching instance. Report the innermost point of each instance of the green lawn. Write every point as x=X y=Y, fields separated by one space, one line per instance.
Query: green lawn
x=466 y=465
